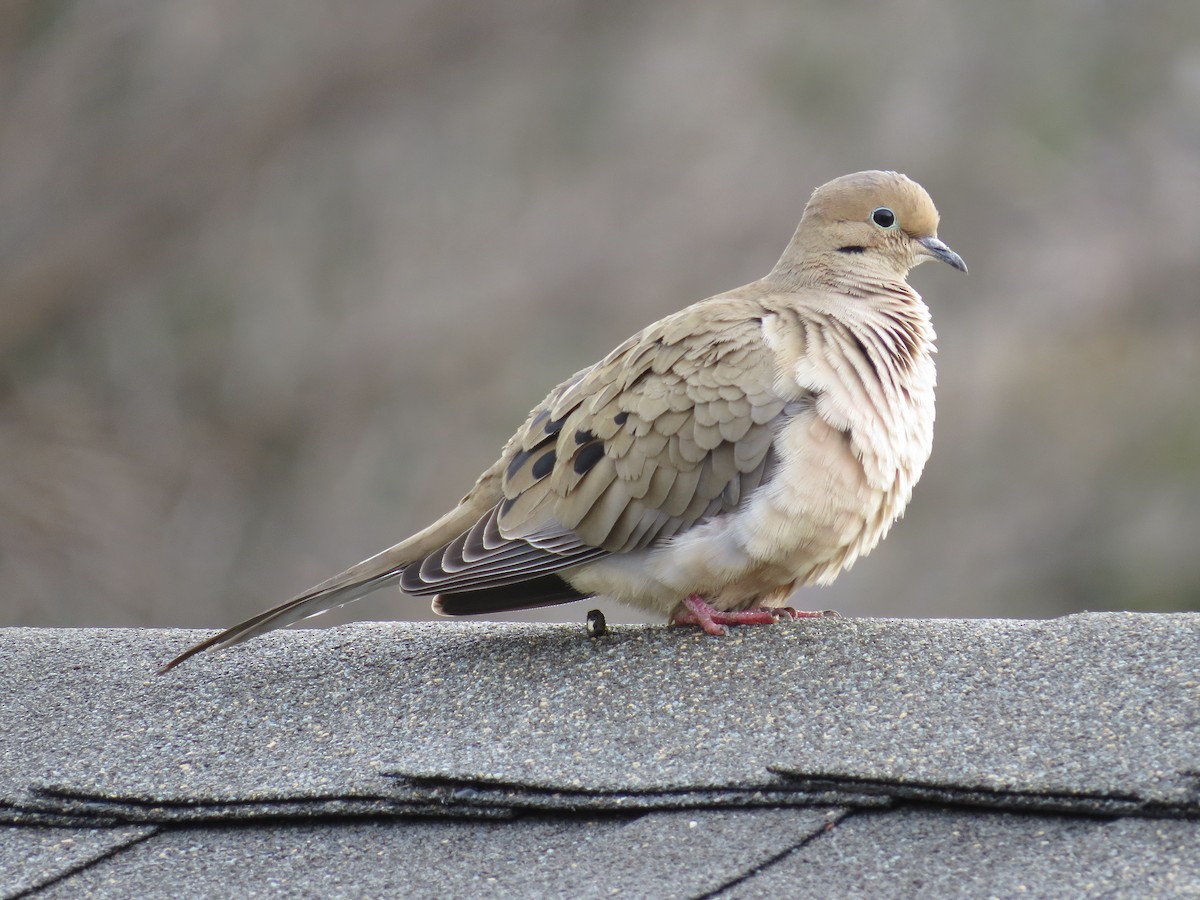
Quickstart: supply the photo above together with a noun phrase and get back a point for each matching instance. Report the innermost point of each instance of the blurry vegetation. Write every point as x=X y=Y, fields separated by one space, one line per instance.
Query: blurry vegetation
x=278 y=279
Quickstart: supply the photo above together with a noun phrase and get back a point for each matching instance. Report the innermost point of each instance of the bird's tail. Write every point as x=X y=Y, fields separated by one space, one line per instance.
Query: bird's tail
x=313 y=602
x=369 y=575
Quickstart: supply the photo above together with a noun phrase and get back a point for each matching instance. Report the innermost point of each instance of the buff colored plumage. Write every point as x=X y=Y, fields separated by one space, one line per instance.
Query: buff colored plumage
x=754 y=442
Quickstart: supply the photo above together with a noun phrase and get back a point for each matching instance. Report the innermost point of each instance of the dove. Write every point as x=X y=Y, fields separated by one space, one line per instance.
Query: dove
x=752 y=443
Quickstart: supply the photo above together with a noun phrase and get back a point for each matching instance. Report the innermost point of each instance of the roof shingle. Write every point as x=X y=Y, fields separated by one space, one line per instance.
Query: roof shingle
x=536 y=738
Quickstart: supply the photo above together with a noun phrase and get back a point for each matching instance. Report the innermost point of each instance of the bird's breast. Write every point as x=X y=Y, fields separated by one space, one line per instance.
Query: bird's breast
x=848 y=450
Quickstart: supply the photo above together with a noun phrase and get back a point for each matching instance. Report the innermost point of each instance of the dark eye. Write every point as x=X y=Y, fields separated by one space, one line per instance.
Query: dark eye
x=883 y=217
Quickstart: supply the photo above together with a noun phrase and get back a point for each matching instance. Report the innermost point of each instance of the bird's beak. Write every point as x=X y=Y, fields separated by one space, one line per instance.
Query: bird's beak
x=939 y=250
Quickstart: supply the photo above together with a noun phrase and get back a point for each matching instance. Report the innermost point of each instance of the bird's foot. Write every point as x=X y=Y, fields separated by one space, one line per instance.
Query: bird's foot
x=698 y=611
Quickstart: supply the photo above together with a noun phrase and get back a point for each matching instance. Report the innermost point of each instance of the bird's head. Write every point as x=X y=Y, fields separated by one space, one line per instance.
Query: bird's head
x=876 y=220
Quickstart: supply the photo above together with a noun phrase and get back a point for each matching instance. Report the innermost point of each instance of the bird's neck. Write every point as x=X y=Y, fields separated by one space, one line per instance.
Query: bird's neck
x=865 y=296
x=836 y=270
x=886 y=339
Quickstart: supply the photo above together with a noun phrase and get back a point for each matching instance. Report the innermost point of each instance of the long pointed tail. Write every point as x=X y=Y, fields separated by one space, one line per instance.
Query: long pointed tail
x=369 y=575
x=336 y=592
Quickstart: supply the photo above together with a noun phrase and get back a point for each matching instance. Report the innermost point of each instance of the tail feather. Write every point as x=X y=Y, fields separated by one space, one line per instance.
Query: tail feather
x=310 y=603
x=548 y=590
x=369 y=575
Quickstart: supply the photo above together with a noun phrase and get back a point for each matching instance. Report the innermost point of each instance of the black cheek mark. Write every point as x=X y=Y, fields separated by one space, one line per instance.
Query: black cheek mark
x=853 y=248
x=586 y=458
x=543 y=465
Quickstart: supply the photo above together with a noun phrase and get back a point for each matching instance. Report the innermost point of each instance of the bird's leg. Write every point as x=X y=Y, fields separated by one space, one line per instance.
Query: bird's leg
x=698 y=611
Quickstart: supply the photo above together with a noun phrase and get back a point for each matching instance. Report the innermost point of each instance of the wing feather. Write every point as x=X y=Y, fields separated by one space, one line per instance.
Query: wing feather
x=673 y=427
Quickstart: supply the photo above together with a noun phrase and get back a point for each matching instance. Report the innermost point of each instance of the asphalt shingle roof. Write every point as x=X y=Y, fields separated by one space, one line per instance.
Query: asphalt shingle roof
x=453 y=758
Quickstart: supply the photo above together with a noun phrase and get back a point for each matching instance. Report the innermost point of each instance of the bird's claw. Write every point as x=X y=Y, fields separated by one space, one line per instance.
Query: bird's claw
x=699 y=612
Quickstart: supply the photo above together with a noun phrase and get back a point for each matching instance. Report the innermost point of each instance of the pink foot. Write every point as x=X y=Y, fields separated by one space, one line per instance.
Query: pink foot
x=698 y=611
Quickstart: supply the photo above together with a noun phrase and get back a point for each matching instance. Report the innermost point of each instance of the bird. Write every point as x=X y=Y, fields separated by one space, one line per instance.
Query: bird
x=757 y=441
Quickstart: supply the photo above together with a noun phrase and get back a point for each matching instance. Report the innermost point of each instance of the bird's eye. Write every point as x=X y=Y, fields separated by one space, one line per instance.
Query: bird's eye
x=883 y=217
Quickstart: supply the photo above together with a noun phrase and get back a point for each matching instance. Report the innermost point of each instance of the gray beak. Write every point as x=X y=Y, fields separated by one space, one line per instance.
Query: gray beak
x=938 y=250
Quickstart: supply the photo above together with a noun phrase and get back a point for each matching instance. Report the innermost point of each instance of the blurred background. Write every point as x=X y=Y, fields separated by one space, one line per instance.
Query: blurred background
x=278 y=279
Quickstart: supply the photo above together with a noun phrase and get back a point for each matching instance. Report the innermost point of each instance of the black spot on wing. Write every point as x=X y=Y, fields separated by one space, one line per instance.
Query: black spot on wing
x=519 y=460
x=621 y=417
x=588 y=457
x=543 y=465
x=582 y=436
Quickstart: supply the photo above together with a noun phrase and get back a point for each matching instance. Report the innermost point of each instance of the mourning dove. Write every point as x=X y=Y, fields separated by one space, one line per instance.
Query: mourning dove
x=754 y=442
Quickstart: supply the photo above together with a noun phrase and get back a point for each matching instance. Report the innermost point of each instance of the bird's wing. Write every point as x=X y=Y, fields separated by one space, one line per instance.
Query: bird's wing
x=674 y=426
